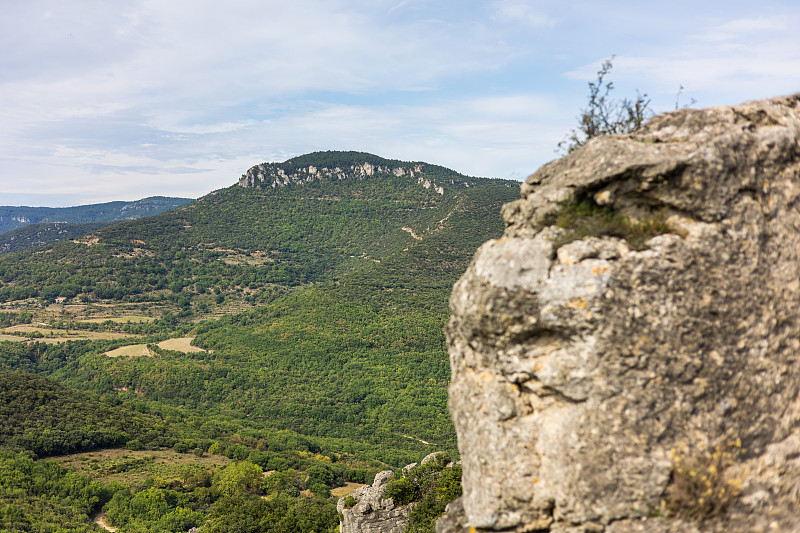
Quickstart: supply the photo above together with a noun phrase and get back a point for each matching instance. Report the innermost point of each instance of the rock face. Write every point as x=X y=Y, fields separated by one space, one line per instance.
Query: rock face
x=585 y=374
x=373 y=513
x=334 y=166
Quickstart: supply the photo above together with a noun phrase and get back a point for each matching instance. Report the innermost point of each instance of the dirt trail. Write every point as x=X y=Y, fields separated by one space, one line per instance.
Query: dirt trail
x=100 y=520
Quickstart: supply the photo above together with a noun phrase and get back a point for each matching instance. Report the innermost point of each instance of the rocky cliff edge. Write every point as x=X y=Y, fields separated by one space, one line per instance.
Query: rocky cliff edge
x=599 y=385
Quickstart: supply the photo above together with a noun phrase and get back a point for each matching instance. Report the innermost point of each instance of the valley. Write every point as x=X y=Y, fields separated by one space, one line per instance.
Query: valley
x=292 y=322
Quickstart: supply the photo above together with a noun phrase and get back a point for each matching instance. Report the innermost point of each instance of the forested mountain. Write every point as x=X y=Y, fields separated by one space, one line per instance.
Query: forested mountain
x=12 y=217
x=316 y=288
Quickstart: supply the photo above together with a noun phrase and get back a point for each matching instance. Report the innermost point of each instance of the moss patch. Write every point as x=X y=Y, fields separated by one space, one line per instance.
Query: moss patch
x=583 y=217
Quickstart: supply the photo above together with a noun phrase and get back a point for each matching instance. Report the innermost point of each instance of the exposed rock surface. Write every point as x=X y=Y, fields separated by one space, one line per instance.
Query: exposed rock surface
x=453 y=520
x=334 y=166
x=373 y=513
x=272 y=175
x=580 y=371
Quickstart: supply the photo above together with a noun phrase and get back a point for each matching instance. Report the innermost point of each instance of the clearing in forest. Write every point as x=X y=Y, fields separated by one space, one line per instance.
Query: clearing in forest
x=346 y=489
x=182 y=344
x=134 y=467
x=132 y=350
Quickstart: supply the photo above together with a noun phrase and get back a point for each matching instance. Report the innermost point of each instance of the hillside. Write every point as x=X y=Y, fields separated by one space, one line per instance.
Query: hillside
x=316 y=308
x=252 y=242
x=12 y=217
x=321 y=301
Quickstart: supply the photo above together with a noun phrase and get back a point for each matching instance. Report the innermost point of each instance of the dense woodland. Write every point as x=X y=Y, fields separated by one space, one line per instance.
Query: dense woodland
x=320 y=307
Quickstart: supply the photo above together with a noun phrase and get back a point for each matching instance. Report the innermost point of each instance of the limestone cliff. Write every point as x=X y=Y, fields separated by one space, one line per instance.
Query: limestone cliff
x=602 y=386
x=270 y=175
x=336 y=165
x=414 y=502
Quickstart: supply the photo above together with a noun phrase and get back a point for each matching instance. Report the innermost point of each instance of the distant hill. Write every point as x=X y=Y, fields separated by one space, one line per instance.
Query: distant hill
x=12 y=217
x=43 y=233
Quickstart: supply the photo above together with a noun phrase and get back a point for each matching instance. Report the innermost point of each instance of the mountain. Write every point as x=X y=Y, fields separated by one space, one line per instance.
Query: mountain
x=12 y=217
x=321 y=300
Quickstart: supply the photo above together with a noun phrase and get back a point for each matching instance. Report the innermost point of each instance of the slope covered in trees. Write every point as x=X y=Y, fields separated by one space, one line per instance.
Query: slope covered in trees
x=39 y=415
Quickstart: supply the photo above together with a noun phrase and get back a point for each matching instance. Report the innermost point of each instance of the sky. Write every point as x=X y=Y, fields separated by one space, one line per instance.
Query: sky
x=121 y=100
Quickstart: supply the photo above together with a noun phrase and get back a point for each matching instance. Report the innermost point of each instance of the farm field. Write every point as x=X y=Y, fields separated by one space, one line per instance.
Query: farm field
x=132 y=319
x=182 y=344
x=347 y=488
x=131 y=350
x=44 y=333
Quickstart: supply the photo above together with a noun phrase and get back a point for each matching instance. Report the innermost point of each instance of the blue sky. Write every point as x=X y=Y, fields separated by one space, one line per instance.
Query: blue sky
x=121 y=100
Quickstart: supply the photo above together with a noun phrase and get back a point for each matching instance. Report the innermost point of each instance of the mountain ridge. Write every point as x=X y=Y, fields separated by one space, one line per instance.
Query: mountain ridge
x=13 y=217
x=373 y=259
x=341 y=165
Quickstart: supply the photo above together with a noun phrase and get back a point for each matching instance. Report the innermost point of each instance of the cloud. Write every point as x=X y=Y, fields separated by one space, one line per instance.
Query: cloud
x=181 y=97
x=523 y=12
x=725 y=62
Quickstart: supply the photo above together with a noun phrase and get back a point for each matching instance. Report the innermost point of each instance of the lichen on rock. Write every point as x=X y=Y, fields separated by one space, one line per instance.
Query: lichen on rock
x=579 y=368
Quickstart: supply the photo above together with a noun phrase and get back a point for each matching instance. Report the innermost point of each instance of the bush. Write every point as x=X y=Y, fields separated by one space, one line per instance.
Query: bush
x=181 y=447
x=605 y=116
x=401 y=491
x=319 y=490
x=699 y=488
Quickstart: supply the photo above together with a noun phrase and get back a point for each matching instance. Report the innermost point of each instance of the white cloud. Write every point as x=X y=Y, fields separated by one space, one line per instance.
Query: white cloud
x=148 y=97
x=528 y=13
x=725 y=62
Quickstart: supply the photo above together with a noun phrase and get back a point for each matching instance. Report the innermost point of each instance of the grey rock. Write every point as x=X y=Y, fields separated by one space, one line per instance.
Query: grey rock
x=373 y=512
x=453 y=520
x=578 y=370
x=430 y=458
x=408 y=467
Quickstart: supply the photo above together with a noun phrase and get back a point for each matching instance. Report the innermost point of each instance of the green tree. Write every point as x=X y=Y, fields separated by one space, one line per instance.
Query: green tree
x=244 y=477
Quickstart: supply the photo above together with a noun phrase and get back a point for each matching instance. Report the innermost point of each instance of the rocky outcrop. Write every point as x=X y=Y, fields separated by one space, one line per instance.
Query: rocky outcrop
x=598 y=387
x=371 y=511
x=272 y=175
